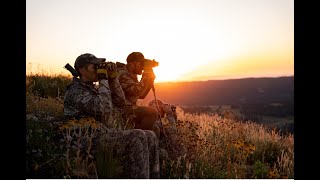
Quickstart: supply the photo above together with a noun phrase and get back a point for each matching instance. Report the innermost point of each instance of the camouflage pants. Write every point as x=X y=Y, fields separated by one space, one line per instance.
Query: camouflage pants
x=138 y=149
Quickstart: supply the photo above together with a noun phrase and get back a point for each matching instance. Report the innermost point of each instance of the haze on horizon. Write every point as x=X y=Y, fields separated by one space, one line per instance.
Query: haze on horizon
x=191 y=39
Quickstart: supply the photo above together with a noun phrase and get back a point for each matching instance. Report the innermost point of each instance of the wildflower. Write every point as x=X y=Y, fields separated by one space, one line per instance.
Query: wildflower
x=272 y=174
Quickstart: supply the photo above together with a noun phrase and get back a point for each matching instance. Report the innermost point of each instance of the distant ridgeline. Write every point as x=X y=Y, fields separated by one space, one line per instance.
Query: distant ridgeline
x=251 y=96
x=263 y=96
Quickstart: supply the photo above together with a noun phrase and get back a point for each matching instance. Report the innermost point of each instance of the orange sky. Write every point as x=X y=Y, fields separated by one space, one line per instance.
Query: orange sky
x=192 y=39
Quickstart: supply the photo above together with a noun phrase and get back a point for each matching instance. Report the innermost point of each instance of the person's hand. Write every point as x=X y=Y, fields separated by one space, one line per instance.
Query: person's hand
x=148 y=65
x=107 y=70
x=102 y=71
x=150 y=75
x=112 y=70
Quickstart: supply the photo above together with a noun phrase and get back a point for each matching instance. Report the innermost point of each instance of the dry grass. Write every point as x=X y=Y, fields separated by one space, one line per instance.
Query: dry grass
x=229 y=149
x=203 y=146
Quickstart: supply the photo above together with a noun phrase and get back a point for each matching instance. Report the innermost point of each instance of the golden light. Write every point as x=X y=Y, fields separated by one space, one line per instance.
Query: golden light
x=191 y=41
x=179 y=41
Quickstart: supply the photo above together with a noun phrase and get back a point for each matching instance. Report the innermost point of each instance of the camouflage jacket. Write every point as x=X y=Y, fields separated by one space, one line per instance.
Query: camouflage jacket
x=132 y=88
x=137 y=148
x=86 y=99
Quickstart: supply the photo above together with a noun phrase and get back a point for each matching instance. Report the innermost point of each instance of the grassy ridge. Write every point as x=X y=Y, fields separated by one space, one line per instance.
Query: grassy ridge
x=212 y=146
x=47 y=86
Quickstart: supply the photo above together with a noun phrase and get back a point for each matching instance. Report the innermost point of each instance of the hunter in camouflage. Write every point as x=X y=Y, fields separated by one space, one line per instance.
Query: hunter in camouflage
x=144 y=116
x=137 y=148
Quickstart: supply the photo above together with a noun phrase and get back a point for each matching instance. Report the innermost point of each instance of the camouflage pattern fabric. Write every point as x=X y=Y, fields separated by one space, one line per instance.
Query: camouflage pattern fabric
x=117 y=94
x=138 y=148
x=132 y=88
x=83 y=99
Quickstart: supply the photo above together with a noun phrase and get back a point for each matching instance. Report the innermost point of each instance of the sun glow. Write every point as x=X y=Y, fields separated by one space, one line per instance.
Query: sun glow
x=190 y=39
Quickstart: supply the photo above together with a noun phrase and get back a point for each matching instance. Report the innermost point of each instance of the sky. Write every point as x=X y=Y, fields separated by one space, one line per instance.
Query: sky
x=193 y=40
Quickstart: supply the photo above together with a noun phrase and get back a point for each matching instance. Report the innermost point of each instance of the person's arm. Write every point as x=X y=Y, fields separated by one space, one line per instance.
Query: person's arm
x=117 y=94
x=133 y=88
x=89 y=103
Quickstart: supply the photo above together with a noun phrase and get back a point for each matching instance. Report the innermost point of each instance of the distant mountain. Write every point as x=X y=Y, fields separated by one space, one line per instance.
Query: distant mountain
x=220 y=92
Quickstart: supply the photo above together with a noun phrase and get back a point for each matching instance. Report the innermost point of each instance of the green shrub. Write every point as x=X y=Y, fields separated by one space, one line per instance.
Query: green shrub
x=260 y=170
x=108 y=165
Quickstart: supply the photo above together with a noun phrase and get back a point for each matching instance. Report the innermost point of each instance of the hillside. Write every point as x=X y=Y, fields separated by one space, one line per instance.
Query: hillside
x=222 y=92
x=268 y=101
x=204 y=146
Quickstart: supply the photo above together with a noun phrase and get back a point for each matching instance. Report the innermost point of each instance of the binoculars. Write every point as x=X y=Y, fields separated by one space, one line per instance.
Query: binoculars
x=152 y=62
x=110 y=66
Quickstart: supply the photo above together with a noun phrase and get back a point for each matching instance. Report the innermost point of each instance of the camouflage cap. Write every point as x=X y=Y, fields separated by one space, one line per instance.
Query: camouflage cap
x=86 y=59
x=135 y=56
